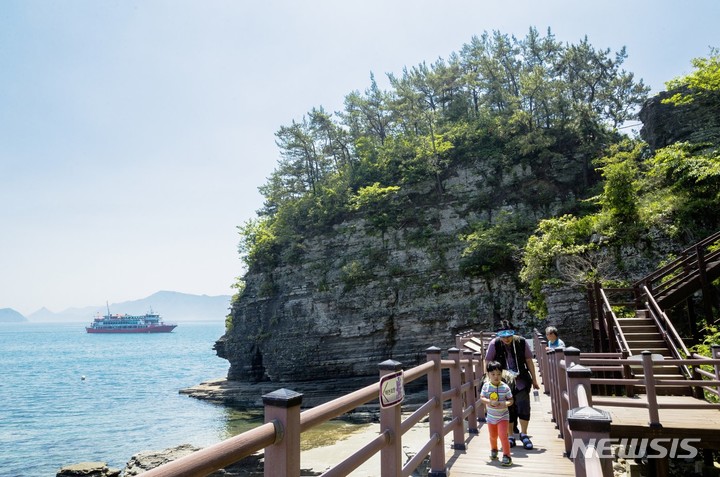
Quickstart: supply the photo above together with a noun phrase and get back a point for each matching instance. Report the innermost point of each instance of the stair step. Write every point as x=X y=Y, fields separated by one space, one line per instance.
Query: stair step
x=668 y=390
x=660 y=370
x=643 y=336
x=630 y=330
x=638 y=351
x=650 y=344
x=636 y=322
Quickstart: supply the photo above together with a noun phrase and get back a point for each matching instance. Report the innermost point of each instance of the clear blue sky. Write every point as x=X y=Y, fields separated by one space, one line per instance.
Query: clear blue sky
x=134 y=134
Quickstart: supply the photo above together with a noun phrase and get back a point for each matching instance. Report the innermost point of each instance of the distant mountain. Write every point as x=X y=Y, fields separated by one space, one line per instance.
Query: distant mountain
x=8 y=315
x=172 y=306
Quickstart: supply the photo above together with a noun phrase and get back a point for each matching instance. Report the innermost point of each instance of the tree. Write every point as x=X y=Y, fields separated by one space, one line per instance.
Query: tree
x=704 y=82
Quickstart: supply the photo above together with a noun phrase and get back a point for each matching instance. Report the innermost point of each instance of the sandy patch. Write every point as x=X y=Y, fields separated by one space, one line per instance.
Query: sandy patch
x=322 y=458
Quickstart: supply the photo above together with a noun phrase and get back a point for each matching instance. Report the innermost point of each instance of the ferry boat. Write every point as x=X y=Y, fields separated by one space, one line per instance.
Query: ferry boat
x=115 y=323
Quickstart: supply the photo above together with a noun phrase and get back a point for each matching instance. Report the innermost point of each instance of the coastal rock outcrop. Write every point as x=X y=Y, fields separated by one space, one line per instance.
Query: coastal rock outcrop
x=343 y=300
x=665 y=124
x=88 y=469
x=338 y=301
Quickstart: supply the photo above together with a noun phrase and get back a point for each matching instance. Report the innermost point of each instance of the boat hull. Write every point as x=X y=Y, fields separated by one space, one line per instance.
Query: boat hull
x=143 y=329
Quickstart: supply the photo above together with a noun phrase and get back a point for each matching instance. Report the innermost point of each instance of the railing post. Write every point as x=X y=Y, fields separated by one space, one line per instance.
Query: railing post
x=480 y=372
x=555 y=356
x=566 y=360
x=390 y=419
x=579 y=377
x=282 y=459
x=650 y=392
x=715 y=353
x=470 y=394
x=434 y=377
x=591 y=427
x=456 y=401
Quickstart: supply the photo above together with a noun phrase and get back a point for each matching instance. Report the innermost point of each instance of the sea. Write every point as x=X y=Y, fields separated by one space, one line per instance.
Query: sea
x=67 y=396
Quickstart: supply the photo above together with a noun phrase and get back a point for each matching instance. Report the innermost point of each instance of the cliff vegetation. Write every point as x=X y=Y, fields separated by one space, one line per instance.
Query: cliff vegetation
x=489 y=185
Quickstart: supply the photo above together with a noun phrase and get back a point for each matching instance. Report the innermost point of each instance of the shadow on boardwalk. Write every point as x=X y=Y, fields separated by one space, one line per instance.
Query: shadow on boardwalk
x=545 y=458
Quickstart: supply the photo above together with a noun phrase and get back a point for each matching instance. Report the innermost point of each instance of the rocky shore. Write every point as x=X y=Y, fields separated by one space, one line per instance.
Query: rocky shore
x=316 y=459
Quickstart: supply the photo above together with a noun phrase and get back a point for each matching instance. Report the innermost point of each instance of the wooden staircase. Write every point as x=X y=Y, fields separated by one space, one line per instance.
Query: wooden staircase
x=650 y=329
x=642 y=334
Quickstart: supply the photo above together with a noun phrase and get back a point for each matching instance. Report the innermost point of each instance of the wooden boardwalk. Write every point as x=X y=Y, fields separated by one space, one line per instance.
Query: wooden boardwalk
x=629 y=422
x=545 y=458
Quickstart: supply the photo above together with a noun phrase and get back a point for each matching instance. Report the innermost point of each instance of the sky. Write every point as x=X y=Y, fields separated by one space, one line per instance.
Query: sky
x=134 y=134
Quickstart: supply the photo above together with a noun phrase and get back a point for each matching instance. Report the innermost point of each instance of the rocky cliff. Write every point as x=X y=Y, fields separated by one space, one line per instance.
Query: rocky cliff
x=349 y=298
x=664 y=124
x=344 y=299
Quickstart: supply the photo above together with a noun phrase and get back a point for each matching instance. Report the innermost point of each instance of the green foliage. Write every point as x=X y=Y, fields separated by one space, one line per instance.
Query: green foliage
x=619 y=199
x=556 y=237
x=354 y=273
x=492 y=247
x=258 y=244
x=380 y=204
x=500 y=102
x=689 y=177
x=711 y=335
x=701 y=83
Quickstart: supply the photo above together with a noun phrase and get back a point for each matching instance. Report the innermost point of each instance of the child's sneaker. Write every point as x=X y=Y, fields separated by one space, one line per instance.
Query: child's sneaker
x=506 y=461
x=494 y=454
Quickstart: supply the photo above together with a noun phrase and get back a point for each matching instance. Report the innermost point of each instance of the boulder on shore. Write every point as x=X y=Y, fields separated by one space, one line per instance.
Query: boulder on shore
x=88 y=469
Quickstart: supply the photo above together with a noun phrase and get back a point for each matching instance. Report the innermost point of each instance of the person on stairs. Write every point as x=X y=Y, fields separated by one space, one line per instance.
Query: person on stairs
x=554 y=341
x=497 y=397
x=514 y=355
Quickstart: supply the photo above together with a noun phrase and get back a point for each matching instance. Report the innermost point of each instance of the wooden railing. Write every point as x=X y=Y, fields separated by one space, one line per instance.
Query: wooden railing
x=567 y=377
x=691 y=263
x=693 y=270
x=280 y=435
x=605 y=319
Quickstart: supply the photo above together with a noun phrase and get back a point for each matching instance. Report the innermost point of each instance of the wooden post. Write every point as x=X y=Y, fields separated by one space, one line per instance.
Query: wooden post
x=479 y=378
x=470 y=394
x=282 y=459
x=715 y=354
x=567 y=357
x=591 y=427
x=555 y=357
x=437 y=453
x=390 y=418
x=650 y=392
x=456 y=401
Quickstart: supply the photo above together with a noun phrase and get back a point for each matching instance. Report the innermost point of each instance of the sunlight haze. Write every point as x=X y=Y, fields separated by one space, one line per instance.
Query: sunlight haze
x=134 y=134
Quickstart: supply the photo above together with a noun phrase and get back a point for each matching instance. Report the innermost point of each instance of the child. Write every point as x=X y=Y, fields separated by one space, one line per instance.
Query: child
x=497 y=397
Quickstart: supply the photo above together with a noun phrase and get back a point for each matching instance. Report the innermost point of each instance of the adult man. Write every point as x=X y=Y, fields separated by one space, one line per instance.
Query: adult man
x=554 y=341
x=514 y=353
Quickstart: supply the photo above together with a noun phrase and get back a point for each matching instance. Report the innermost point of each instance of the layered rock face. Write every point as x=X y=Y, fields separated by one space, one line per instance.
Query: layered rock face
x=345 y=300
x=664 y=124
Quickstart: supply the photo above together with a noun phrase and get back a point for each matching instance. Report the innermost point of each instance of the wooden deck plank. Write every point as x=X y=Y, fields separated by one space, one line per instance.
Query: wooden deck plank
x=630 y=422
x=546 y=456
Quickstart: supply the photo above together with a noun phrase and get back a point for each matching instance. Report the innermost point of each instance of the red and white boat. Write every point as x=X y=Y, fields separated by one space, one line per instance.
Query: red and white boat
x=147 y=323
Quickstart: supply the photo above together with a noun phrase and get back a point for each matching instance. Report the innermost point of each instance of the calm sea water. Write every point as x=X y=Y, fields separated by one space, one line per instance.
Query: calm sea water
x=128 y=402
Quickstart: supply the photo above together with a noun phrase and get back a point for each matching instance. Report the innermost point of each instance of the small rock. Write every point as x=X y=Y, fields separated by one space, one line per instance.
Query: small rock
x=88 y=469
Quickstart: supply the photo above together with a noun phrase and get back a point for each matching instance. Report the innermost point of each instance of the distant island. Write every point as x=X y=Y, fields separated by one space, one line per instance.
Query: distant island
x=8 y=315
x=172 y=306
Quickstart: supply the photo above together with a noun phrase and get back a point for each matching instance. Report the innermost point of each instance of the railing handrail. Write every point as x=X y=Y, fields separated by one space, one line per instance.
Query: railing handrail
x=622 y=342
x=686 y=264
x=570 y=391
x=227 y=452
x=665 y=324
